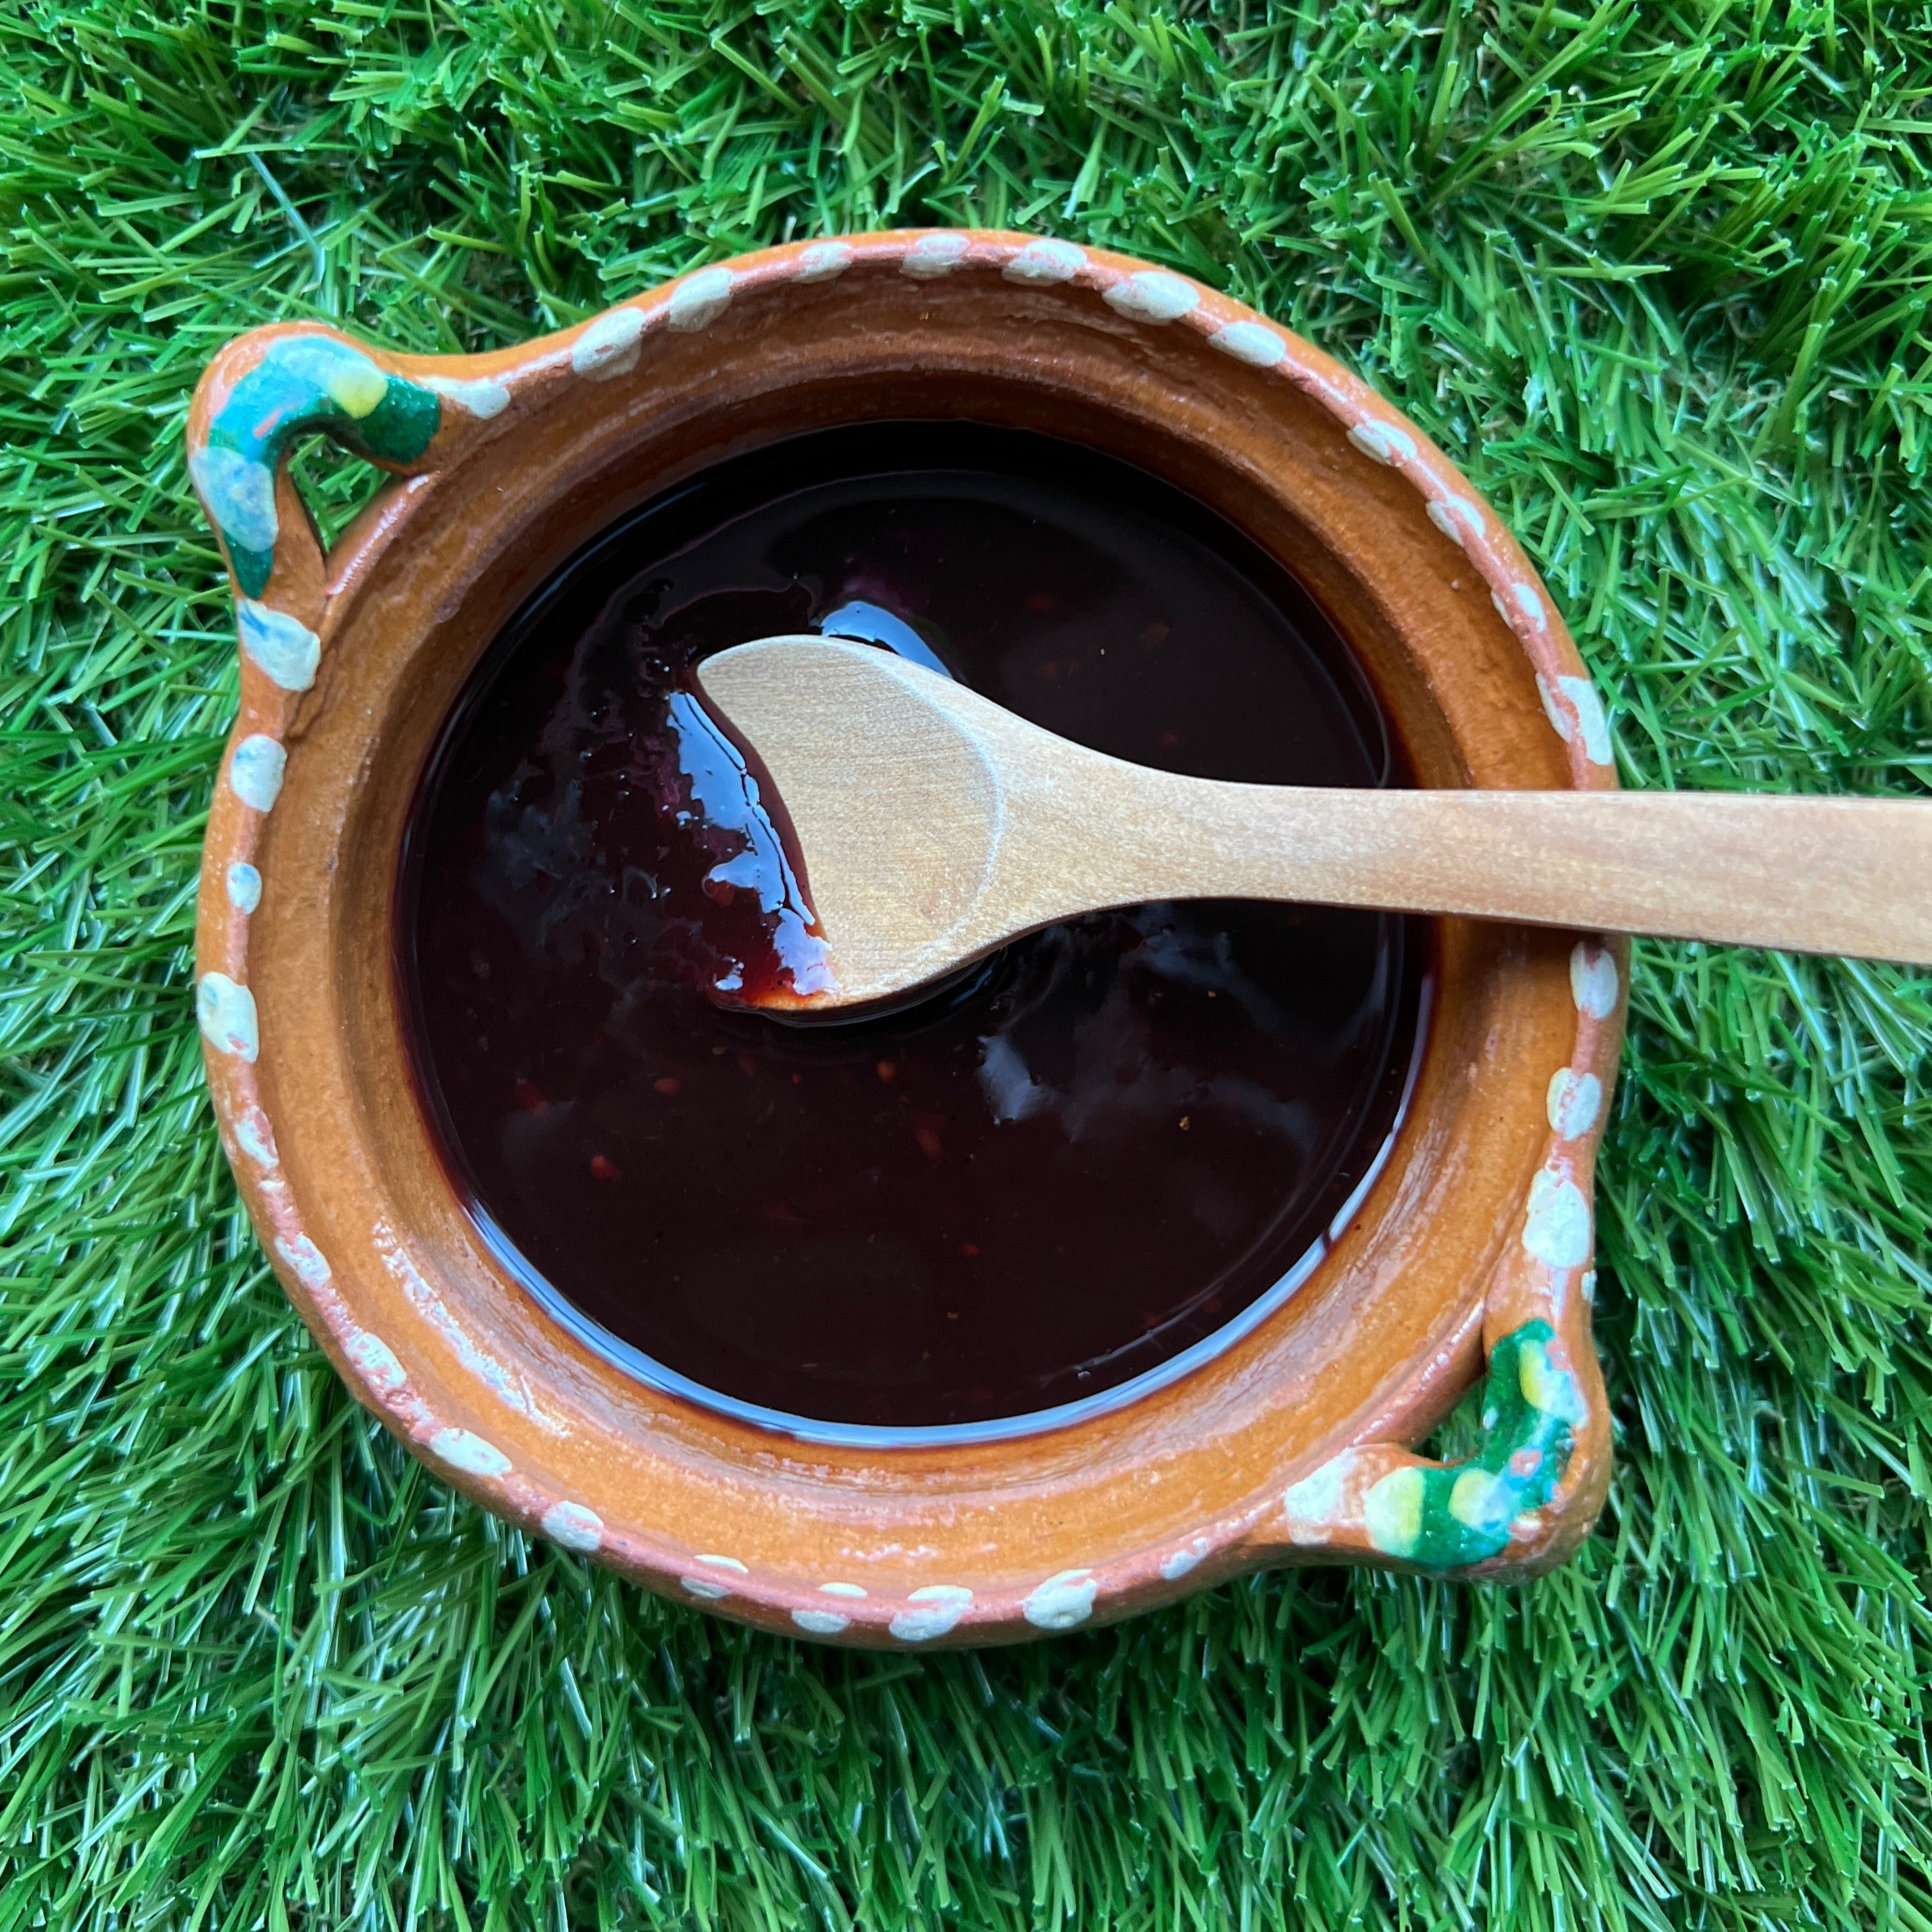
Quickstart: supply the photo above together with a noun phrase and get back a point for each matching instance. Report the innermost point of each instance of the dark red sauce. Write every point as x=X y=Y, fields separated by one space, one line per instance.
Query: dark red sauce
x=1086 y=1161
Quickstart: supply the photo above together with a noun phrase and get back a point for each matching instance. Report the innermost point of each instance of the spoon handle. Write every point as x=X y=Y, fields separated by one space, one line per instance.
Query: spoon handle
x=1807 y=874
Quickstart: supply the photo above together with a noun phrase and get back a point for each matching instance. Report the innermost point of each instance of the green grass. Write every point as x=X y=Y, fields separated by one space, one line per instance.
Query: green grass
x=1657 y=275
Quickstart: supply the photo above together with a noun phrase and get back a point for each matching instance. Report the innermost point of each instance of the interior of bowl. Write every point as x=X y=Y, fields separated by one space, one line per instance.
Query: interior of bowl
x=1384 y=1335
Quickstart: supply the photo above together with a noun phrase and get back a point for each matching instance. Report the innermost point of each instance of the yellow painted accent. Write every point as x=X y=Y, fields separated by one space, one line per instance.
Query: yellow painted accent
x=358 y=387
x=1479 y=1499
x=1392 y=1511
x=1551 y=1391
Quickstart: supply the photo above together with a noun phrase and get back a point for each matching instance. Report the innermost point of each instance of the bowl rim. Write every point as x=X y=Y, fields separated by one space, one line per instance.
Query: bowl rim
x=1521 y=1503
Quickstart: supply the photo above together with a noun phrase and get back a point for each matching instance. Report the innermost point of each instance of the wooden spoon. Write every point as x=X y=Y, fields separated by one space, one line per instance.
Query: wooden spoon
x=934 y=827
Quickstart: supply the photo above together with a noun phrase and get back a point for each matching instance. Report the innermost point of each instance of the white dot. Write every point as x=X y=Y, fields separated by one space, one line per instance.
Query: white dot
x=481 y=397
x=574 y=1527
x=1046 y=261
x=824 y=262
x=255 y=1137
x=240 y=493
x=932 y=256
x=375 y=1360
x=1517 y=603
x=1062 y=1601
x=820 y=1623
x=699 y=300
x=245 y=887
x=1152 y=295
x=1382 y=441
x=1457 y=518
x=226 y=1011
x=1315 y=1506
x=286 y=650
x=608 y=346
x=463 y=1451
x=1593 y=980
x=1584 y=707
x=936 y=1609
x=1177 y=1565
x=255 y=771
x=840 y=1590
x=1574 y=1102
x=1251 y=342
x=311 y=1267
x=1556 y=1227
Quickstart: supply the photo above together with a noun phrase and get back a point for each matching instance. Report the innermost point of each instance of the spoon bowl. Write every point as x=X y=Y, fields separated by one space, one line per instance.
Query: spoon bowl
x=934 y=827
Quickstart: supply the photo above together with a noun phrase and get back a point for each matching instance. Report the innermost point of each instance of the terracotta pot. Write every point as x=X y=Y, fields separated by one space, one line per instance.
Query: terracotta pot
x=1295 y=1445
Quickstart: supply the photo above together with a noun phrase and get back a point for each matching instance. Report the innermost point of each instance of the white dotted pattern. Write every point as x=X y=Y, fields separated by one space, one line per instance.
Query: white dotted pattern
x=1518 y=604
x=828 y=1623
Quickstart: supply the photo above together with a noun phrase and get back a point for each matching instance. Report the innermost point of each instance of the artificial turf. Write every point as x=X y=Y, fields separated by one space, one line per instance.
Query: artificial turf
x=1657 y=275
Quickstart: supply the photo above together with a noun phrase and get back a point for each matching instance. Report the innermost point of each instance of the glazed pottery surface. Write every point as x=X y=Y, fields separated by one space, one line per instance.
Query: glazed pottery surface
x=1470 y=1256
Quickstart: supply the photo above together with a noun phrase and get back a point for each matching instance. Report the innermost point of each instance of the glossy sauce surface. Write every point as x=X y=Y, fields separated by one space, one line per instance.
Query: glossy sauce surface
x=1084 y=1161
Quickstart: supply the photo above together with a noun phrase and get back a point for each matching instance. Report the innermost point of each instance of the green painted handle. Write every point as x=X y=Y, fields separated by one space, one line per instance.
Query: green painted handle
x=263 y=392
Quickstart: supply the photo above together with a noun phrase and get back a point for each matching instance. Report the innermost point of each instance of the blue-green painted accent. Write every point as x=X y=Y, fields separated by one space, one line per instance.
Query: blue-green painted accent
x=302 y=383
x=1448 y=1516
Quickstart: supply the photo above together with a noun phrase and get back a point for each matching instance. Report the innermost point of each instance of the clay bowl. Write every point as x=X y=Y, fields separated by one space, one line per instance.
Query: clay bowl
x=1472 y=1252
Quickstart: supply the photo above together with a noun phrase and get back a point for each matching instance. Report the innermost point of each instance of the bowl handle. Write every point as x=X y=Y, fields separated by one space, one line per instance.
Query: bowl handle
x=1519 y=1505
x=1526 y=1497
x=409 y=415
